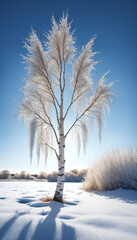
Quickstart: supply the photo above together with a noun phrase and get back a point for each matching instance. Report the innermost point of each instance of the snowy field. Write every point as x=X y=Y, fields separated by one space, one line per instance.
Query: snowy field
x=85 y=216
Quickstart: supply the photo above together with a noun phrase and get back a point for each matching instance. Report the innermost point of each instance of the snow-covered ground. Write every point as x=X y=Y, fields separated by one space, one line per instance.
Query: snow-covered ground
x=85 y=216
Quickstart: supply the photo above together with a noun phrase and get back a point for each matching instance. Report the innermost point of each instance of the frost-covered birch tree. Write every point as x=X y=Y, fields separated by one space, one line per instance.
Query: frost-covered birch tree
x=48 y=80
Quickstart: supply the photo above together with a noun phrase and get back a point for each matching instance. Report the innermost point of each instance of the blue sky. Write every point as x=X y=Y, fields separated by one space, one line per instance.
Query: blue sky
x=114 y=22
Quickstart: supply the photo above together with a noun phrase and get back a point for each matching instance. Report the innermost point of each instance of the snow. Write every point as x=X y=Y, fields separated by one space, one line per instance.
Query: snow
x=108 y=215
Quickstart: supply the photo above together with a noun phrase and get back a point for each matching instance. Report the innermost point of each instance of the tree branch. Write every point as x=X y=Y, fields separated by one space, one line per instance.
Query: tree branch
x=52 y=149
x=72 y=102
x=48 y=123
x=78 y=73
x=78 y=118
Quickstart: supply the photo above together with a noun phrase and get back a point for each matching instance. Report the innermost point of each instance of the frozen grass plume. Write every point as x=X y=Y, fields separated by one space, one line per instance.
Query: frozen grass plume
x=117 y=169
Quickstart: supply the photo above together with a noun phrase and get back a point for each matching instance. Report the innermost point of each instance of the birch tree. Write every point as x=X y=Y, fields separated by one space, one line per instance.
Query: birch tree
x=45 y=89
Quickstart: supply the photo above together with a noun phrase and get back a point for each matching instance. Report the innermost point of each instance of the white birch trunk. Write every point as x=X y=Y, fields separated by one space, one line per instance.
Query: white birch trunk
x=61 y=162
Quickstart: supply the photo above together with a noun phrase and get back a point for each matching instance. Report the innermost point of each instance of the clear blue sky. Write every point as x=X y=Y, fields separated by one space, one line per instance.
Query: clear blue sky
x=115 y=23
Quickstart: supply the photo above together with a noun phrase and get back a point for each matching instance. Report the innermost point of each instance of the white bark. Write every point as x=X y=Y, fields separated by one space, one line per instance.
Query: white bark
x=61 y=161
x=61 y=169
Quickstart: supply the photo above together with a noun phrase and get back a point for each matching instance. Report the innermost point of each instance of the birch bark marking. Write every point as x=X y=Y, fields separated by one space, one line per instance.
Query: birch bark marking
x=61 y=169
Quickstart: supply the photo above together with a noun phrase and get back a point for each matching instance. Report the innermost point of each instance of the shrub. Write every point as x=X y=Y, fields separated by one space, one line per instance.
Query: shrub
x=42 y=175
x=29 y=177
x=75 y=175
x=75 y=171
x=81 y=174
x=35 y=175
x=114 y=170
x=5 y=174
x=52 y=177
x=16 y=176
x=71 y=177
x=22 y=175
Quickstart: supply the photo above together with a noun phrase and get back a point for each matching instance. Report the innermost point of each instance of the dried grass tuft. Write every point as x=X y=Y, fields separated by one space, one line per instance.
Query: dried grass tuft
x=48 y=198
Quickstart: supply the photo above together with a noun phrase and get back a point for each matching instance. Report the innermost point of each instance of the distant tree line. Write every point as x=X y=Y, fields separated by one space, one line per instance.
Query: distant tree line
x=71 y=176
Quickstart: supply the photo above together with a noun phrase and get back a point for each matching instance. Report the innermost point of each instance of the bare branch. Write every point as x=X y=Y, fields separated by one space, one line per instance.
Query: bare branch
x=78 y=118
x=72 y=102
x=100 y=99
x=50 y=121
x=52 y=149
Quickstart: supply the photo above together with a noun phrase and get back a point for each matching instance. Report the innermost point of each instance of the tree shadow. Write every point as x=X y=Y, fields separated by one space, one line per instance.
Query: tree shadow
x=129 y=196
x=46 y=229
x=6 y=226
x=24 y=231
x=68 y=232
x=4 y=229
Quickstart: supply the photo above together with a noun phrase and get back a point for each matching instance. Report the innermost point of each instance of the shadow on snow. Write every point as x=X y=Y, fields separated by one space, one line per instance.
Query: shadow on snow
x=45 y=229
x=6 y=226
x=129 y=196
